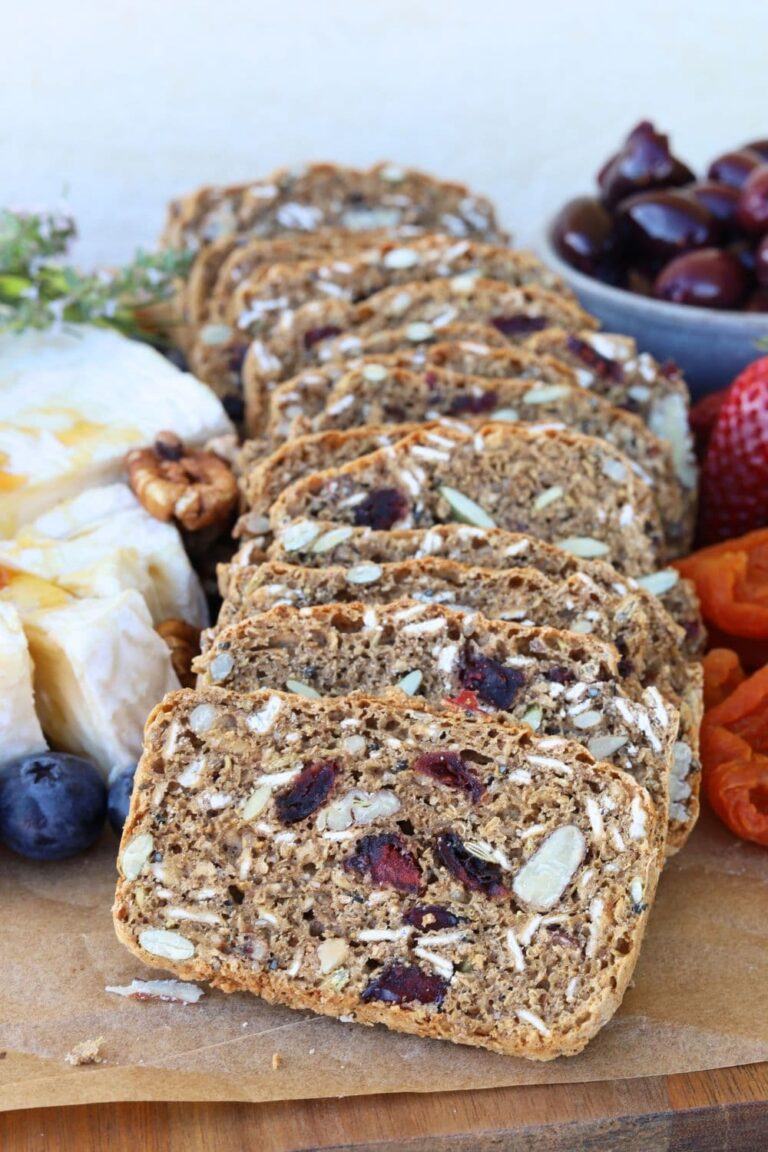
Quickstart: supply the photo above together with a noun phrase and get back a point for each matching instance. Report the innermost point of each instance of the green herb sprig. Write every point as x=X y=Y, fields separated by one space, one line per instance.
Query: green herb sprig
x=39 y=290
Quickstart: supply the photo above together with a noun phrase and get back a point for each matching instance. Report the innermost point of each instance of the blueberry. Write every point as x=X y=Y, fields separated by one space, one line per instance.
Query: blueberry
x=51 y=805
x=119 y=800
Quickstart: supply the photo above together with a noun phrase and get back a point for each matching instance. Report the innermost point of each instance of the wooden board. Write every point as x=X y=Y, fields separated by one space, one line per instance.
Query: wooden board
x=720 y=1111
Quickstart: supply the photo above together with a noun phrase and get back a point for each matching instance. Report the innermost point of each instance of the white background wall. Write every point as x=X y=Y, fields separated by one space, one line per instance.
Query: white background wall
x=131 y=101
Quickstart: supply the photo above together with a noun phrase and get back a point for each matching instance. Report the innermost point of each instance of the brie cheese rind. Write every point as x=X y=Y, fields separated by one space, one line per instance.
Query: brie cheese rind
x=71 y=405
x=102 y=543
x=100 y=668
x=20 y=731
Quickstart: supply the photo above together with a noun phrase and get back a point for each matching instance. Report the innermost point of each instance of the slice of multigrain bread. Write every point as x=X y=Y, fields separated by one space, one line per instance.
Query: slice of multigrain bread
x=216 y=271
x=445 y=877
x=262 y=305
x=308 y=335
x=377 y=394
x=574 y=491
x=631 y=381
x=611 y=365
x=524 y=595
x=296 y=402
x=318 y=196
x=221 y=266
x=558 y=683
x=664 y=591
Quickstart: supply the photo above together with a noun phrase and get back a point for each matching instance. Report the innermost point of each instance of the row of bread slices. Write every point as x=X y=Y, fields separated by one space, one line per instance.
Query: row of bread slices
x=374 y=364
x=458 y=497
x=86 y=574
x=308 y=268
x=323 y=590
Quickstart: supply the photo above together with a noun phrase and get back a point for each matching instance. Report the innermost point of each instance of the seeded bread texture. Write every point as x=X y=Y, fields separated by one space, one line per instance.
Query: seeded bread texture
x=612 y=366
x=219 y=267
x=318 y=196
x=559 y=683
x=294 y=404
x=376 y=394
x=575 y=603
x=398 y=347
x=666 y=592
x=391 y=262
x=574 y=491
x=626 y=379
x=389 y=895
x=305 y=337
x=644 y=634
x=285 y=268
x=262 y=305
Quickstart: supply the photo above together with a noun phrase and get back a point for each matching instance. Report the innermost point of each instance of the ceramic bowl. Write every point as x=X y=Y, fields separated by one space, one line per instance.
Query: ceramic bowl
x=711 y=347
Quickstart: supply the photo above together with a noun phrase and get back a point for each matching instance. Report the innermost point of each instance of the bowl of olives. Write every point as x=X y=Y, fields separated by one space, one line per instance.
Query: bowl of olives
x=678 y=262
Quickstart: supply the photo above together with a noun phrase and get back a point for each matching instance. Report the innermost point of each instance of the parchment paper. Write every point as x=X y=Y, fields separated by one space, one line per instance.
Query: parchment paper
x=699 y=1000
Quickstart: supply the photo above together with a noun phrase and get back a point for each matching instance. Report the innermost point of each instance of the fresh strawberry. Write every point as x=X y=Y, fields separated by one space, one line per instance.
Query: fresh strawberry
x=703 y=418
x=735 y=476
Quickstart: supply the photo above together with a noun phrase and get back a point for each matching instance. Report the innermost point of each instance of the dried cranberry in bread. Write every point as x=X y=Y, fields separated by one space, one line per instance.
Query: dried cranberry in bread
x=262 y=480
x=558 y=683
x=574 y=491
x=377 y=394
x=319 y=196
x=308 y=335
x=445 y=877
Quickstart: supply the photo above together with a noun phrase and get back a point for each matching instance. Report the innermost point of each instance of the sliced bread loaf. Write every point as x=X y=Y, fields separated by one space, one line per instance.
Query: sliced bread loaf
x=295 y=403
x=444 y=877
x=575 y=491
x=665 y=590
x=557 y=683
x=307 y=336
x=644 y=634
x=376 y=394
x=319 y=196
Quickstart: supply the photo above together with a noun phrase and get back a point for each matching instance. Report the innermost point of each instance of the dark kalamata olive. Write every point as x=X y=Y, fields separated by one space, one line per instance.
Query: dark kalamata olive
x=643 y=162
x=758 y=301
x=761 y=262
x=752 y=212
x=664 y=224
x=732 y=168
x=709 y=278
x=759 y=146
x=583 y=234
x=719 y=199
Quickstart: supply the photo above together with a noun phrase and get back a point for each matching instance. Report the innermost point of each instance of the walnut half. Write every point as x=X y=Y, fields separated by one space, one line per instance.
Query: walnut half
x=195 y=488
x=183 y=642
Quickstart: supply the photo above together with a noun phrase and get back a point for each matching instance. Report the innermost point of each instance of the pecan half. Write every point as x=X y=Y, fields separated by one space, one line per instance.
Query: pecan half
x=183 y=642
x=196 y=488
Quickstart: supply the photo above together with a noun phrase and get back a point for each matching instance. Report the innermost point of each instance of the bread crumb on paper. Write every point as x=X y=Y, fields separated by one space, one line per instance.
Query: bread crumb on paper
x=86 y=1052
x=277 y=1061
